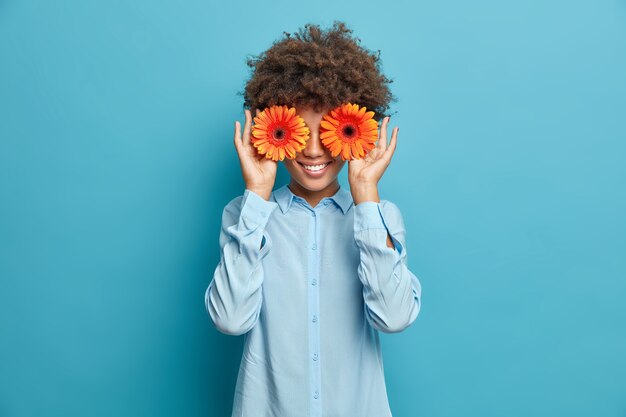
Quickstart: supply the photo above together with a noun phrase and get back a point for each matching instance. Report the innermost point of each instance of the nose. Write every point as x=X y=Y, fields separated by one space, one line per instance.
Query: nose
x=314 y=147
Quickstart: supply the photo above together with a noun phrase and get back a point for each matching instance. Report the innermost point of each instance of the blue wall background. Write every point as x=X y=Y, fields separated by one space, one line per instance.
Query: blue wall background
x=116 y=159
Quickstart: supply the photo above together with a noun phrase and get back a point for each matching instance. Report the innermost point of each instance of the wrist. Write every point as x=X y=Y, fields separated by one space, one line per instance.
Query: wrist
x=365 y=192
x=261 y=192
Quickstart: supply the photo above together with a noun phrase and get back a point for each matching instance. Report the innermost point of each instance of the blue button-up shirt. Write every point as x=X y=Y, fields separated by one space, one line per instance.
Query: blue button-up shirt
x=310 y=287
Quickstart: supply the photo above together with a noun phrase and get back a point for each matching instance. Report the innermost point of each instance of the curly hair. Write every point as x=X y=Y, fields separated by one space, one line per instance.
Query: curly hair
x=318 y=69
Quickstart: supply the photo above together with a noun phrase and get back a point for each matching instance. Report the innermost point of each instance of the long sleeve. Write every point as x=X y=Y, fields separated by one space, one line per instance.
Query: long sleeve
x=233 y=297
x=392 y=293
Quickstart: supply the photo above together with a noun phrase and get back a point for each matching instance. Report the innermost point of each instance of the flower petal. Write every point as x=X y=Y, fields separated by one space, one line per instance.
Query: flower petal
x=328 y=125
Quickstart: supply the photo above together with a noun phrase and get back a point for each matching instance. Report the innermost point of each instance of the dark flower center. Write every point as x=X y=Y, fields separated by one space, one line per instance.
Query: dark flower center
x=349 y=130
x=279 y=134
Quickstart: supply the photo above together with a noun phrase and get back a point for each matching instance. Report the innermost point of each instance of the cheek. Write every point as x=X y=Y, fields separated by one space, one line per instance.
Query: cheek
x=338 y=164
x=289 y=164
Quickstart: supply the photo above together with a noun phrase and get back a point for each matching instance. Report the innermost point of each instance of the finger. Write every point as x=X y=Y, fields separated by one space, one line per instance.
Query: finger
x=373 y=155
x=237 y=138
x=382 y=141
x=392 y=144
x=246 y=128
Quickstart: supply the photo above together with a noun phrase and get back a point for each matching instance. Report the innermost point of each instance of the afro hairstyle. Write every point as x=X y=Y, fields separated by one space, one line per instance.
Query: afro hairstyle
x=320 y=70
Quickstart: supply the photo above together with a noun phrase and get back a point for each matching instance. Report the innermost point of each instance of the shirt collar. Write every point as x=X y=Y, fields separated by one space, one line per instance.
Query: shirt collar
x=284 y=197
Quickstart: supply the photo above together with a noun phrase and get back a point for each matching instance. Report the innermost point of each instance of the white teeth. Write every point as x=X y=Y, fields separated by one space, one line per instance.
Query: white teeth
x=314 y=167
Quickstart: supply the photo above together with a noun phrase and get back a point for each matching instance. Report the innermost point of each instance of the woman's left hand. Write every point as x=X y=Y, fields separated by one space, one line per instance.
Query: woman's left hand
x=364 y=174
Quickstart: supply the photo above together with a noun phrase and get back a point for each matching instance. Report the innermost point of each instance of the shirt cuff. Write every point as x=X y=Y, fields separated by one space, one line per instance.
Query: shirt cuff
x=368 y=215
x=255 y=209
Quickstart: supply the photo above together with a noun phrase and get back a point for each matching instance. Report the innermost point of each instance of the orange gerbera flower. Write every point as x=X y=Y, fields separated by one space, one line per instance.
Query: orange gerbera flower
x=349 y=130
x=278 y=132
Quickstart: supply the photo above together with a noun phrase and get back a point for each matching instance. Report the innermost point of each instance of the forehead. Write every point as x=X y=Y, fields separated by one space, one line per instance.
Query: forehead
x=310 y=113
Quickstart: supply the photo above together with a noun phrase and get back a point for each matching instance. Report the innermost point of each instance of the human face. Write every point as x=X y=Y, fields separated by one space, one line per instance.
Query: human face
x=314 y=185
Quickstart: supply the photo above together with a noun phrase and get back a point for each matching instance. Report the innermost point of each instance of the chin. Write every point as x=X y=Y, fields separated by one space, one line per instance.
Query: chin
x=314 y=186
x=314 y=181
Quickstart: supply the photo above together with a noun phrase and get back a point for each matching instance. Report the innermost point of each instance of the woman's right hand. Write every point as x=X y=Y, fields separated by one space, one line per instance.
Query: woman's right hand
x=259 y=172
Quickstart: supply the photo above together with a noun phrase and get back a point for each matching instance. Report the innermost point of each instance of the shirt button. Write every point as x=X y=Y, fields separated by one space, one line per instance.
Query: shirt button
x=314 y=319
x=314 y=247
x=314 y=282
x=315 y=356
x=316 y=395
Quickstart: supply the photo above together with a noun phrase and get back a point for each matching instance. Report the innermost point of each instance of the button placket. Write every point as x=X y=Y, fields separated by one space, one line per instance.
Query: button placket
x=313 y=307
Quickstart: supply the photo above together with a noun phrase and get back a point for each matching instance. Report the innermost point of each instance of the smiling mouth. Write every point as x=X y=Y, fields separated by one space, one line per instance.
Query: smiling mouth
x=314 y=168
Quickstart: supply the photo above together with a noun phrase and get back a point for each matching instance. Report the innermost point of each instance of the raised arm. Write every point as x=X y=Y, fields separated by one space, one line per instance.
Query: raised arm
x=392 y=293
x=233 y=298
